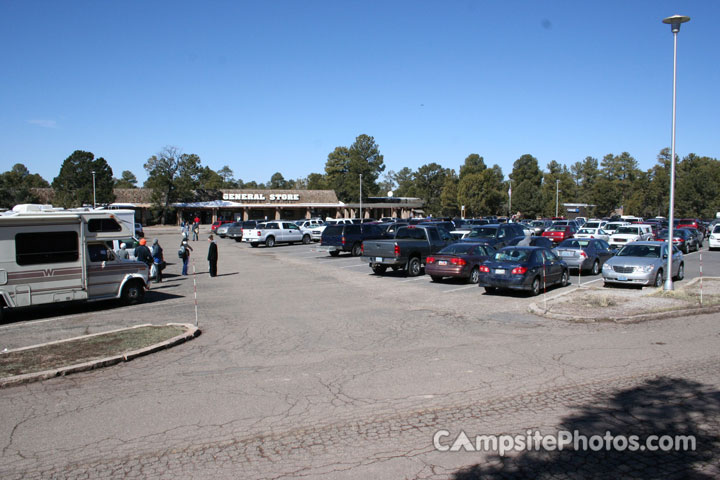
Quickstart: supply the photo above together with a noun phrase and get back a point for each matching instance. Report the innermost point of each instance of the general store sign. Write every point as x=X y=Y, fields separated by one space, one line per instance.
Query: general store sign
x=273 y=197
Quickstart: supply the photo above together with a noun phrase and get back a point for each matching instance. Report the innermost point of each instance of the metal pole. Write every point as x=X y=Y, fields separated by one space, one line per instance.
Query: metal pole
x=93 y=174
x=671 y=216
x=557 y=196
x=361 y=198
x=510 y=200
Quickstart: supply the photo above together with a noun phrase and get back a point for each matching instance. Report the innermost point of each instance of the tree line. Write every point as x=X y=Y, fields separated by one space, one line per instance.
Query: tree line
x=608 y=184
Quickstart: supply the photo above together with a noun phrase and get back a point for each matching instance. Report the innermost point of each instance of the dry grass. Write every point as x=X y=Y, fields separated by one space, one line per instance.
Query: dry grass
x=83 y=349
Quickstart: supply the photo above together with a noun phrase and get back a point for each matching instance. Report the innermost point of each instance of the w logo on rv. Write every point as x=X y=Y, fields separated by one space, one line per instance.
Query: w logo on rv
x=48 y=272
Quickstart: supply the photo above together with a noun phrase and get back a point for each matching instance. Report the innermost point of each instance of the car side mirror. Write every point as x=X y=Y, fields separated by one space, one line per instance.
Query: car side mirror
x=665 y=256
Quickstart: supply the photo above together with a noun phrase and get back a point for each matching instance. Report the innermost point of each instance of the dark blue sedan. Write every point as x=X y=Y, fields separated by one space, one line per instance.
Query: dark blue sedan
x=523 y=268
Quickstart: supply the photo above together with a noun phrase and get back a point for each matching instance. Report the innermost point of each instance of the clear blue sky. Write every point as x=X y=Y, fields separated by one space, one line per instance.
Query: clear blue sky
x=270 y=86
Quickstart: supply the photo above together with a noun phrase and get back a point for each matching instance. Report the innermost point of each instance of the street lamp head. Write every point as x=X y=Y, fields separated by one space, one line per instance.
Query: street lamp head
x=675 y=22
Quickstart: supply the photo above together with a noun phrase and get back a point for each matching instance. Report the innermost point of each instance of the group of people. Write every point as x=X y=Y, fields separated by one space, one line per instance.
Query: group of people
x=154 y=258
x=186 y=229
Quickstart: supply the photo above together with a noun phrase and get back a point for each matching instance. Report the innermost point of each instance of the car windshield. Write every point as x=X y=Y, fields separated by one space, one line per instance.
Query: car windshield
x=482 y=232
x=612 y=226
x=459 y=249
x=538 y=223
x=632 y=230
x=512 y=255
x=588 y=231
x=574 y=243
x=592 y=225
x=645 y=251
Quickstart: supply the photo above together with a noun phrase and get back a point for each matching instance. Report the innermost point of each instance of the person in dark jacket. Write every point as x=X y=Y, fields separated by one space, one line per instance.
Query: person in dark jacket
x=158 y=258
x=212 y=257
x=142 y=253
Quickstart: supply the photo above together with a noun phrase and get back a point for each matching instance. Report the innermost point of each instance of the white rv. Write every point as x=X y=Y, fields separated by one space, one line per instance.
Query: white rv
x=59 y=256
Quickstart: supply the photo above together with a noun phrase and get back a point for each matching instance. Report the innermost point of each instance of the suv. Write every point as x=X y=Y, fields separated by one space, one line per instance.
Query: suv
x=349 y=238
x=495 y=235
x=630 y=233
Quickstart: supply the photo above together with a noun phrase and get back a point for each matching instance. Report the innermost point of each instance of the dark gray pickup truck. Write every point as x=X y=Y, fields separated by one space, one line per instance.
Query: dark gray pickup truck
x=408 y=250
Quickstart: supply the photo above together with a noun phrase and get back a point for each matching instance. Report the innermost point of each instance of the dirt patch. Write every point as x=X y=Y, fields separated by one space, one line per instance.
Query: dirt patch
x=81 y=350
x=596 y=304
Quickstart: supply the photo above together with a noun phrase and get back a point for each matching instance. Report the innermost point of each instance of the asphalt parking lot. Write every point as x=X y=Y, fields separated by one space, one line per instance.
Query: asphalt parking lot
x=310 y=366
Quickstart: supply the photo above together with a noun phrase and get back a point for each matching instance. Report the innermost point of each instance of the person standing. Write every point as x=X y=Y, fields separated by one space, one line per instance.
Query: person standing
x=185 y=250
x=122 y=252
x=196 y=229
x=142 y=254
x=212 y=257
x=157 y=256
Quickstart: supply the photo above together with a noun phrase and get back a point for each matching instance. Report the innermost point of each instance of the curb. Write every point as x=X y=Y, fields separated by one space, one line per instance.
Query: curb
x=190 y=333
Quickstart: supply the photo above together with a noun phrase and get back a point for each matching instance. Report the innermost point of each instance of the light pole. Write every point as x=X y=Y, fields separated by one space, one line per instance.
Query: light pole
x=361 y=217
x=93 y=174
x=674 y=23
x=557 y=197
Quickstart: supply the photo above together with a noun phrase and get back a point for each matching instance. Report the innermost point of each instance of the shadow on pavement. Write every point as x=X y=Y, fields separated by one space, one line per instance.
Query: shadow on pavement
x=664 y=406
x=58 y=310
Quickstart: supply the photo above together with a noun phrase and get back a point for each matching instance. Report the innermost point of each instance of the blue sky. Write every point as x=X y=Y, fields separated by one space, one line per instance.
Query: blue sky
x=270 y=86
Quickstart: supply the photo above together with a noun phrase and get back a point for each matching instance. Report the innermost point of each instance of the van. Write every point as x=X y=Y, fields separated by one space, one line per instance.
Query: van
x=62 y=256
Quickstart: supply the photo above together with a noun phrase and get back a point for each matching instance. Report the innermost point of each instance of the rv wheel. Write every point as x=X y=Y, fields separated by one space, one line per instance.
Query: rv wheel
x=133 y=292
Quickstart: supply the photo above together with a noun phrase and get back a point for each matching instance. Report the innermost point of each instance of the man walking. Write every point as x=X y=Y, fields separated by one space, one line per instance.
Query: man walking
x=158 y=258
x=212 y=257
x=185 y=250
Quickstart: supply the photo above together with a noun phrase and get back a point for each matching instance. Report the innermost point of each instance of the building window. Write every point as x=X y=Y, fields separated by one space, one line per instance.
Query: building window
x=46 y=247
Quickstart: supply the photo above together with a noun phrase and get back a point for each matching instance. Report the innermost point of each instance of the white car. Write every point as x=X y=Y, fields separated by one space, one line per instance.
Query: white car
x=598 y=233
x=272 y=233
x=630 y=233
x=592 y=223
x=714 y=240
x=610 y=227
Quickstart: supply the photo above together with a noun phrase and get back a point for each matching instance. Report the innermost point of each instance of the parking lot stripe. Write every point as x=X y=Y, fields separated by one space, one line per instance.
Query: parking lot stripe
x=412 y=279
x=356 y=266
x=466 y=287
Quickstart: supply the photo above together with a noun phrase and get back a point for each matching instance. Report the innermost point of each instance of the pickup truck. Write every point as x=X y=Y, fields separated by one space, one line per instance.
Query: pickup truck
x=272 y=233
x=408 y=250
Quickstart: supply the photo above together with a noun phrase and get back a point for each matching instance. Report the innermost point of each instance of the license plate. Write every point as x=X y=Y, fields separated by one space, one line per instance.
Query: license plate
x=500 y=271
x=442 y=262
x=378 y=259
x=567 y=254
x=622 y=279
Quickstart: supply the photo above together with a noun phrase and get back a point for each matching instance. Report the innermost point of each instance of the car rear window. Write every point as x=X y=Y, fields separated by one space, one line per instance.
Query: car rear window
x=482 y=232
x=631 y=230
x=512 y=255
x=410 y=233
x=573 y=243
x=459 y=248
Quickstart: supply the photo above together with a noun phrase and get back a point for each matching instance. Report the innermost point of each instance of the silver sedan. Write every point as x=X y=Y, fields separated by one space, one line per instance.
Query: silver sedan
x=643 y=263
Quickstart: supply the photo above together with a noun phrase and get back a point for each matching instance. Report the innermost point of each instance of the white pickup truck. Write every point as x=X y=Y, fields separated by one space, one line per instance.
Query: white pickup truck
x=272 y=233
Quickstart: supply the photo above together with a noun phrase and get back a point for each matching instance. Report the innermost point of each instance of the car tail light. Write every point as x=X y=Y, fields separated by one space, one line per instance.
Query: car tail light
x=397 y=250
x=583 y=254
x=592 y=236
x=458 y=261
x=519 y=271
x=343 y=240
x=678 y=240
x=258 y=233
x=484 y=269
x=362 y=248
x=430 y=260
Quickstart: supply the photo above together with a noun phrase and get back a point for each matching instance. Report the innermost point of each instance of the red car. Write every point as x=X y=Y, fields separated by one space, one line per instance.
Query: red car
x=691 y=223
x=218 y=223
x=558 y=233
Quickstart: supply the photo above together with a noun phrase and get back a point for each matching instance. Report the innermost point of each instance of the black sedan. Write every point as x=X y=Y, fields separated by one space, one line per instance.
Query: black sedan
x=683 y=238
x=523 y=268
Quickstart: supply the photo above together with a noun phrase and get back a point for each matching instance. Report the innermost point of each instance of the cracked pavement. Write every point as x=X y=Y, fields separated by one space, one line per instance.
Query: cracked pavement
x=306 y=369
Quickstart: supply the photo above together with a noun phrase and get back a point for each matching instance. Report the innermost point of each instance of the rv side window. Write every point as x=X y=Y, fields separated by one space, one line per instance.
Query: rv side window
x=103 y=225
x=98 y=252
x=46 y=247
